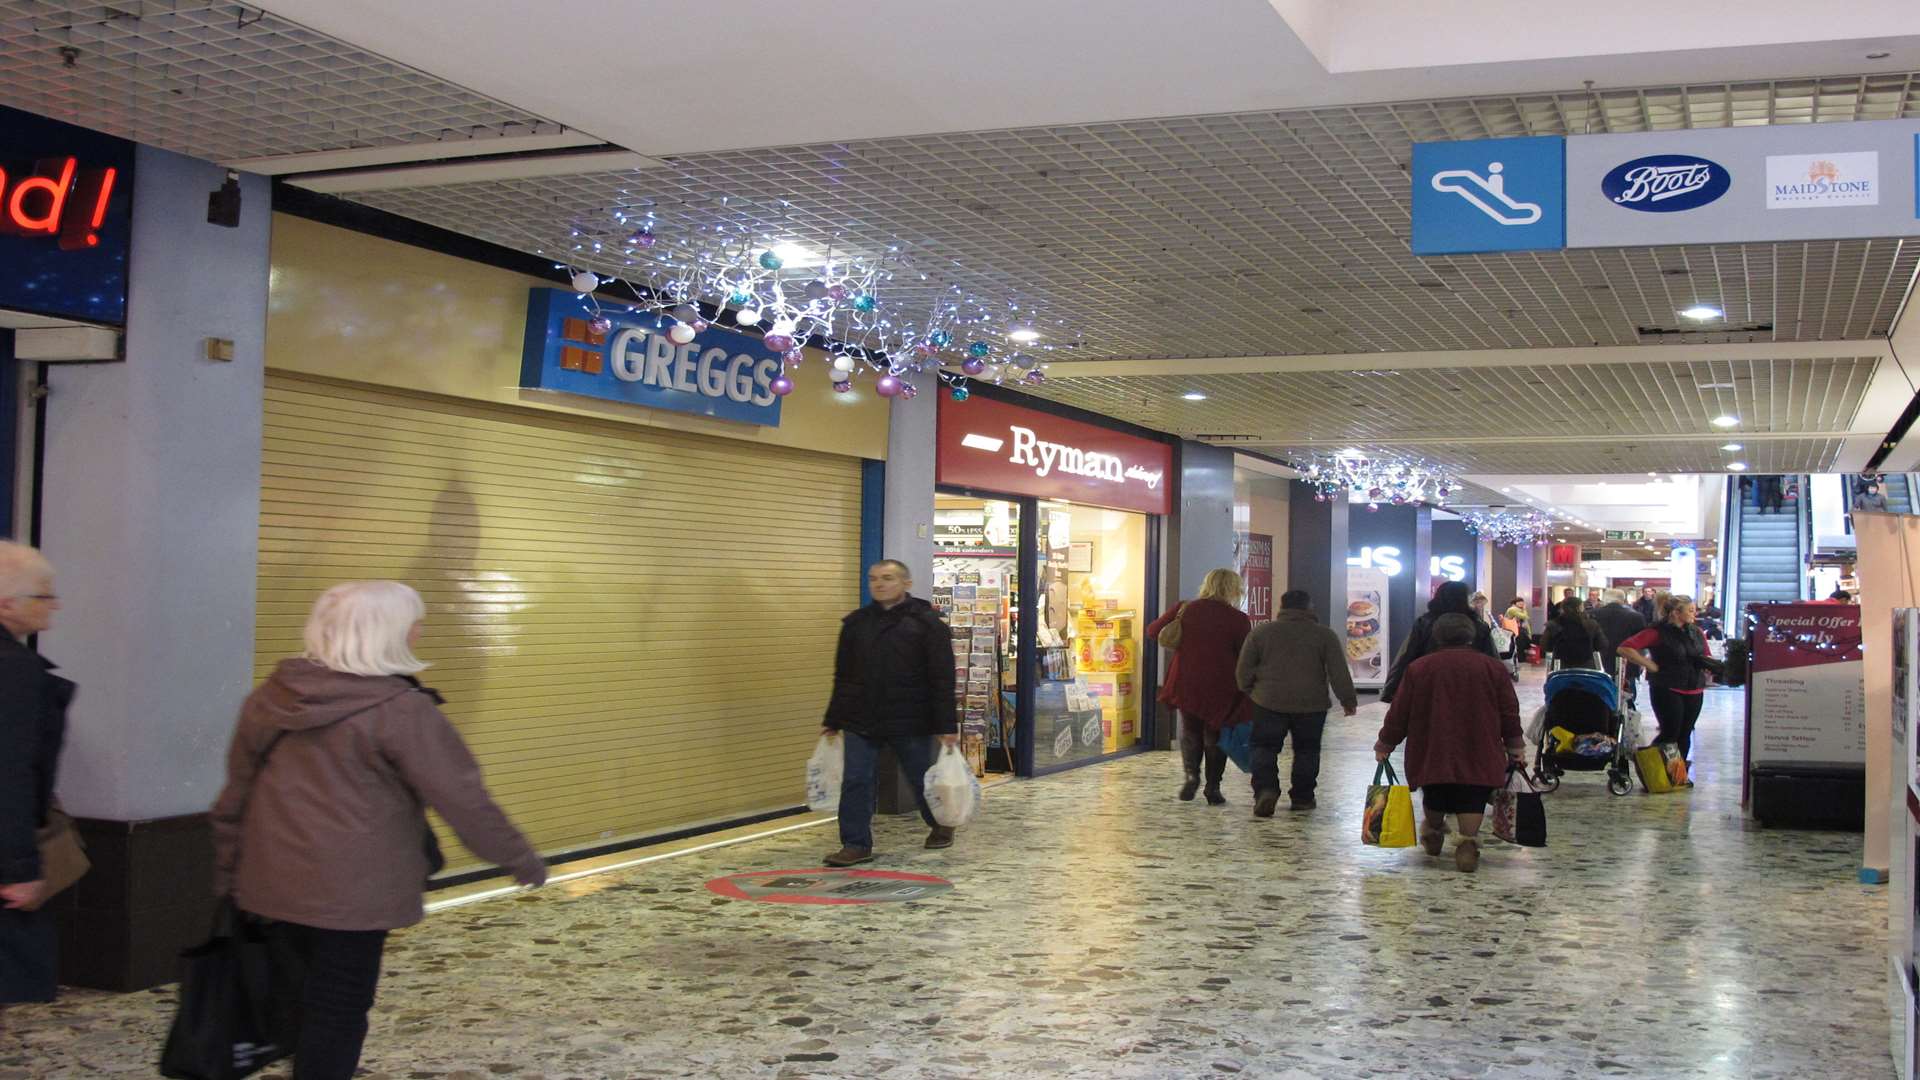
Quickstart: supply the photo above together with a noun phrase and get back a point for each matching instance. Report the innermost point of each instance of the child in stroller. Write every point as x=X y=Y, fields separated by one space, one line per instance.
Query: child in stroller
x=1585 y=704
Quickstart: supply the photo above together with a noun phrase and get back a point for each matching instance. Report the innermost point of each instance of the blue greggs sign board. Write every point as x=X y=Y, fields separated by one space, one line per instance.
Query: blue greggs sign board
x=1698 y=186
x=723 y=374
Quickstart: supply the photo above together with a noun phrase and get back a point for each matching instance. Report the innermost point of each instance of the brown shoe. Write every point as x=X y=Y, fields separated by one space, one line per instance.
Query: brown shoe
x=1466 y=855
x=1433 y=841
x=850 y=856
x=940 y=837
x=1264 y=807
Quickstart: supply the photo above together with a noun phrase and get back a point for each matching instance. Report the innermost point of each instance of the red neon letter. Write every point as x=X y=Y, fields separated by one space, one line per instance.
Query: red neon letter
x=78 y=230
x=48 y=220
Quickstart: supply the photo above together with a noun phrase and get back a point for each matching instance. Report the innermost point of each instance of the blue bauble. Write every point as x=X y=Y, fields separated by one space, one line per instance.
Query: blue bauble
x=961 y=393
x=770 y=261
x=940 y=338
x=979 y=350
x=864 y=303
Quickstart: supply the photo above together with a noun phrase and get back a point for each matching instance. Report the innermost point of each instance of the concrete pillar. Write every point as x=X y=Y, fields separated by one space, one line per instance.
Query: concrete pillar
x=908 y=514
x=152 y=518
x=1422 y=567
x=1317 y=553
x=1203 y=534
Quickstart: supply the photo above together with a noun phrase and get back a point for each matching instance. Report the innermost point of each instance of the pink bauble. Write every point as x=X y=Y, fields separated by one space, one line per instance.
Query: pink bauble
x=600 y=325
x=888 y=386
x=843 y=387
x=925 y=349
x=973 y=367
x=781 y=386
x=699 y=325
x=777 y=342
x=838 y=293
x=908 y=390
x=794 y=358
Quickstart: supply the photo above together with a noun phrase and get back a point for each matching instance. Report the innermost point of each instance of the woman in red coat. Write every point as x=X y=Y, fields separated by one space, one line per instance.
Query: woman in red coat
x=1458 y=715
x=1200 y=678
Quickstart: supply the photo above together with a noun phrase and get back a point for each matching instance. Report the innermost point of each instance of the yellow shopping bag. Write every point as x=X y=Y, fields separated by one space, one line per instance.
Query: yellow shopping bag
x=1655 y=776
x=1388 y=821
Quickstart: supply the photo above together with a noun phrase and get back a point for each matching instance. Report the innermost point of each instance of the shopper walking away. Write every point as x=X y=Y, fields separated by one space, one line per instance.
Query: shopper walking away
x=33 y=725
x=322 y=825
x=1460 y=719
x=1449 y=599
x=1286 y=667
x=892 y=688
x=1574 y=638
x=1200 y=677
x=1773 y=493
x=1674 y=654
x=1618 y=622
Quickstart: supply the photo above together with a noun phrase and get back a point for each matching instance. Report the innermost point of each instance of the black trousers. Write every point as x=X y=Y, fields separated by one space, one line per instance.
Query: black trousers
x=1270 y=731
x=1677 y=713
x=341 y=969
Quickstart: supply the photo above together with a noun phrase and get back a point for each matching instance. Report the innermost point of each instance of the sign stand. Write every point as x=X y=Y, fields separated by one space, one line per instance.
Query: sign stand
x=1806 y=727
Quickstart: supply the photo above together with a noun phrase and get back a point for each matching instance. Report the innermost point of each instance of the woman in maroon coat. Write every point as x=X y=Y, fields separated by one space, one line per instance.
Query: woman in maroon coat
x=1458 y=715
x=1200 y=678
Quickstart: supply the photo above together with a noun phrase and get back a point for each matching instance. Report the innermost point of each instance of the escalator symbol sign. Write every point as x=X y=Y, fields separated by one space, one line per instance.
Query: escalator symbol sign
x=1488 y=193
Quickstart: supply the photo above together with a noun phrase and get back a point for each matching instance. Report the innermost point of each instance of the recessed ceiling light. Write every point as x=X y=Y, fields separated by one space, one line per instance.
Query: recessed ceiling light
x=1023 y=334
x=1733 y=446
x=794 y=255
x=1878 y=55
x=1714 y=386
x=1726 y=421
x=1350 y=452
x=1702 y=312
x=1653 y=474
x=1737 y=466
x=1194 y=395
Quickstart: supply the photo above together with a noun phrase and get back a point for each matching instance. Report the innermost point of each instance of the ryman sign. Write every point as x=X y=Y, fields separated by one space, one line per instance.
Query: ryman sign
x=993 y=446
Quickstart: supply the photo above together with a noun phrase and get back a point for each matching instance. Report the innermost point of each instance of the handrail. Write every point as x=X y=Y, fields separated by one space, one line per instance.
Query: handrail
x=1803 y=535
x=1730 y=551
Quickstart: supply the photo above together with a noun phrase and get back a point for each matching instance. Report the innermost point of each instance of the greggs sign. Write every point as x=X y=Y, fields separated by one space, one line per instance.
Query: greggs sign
x=994 y=446
x=65 y=219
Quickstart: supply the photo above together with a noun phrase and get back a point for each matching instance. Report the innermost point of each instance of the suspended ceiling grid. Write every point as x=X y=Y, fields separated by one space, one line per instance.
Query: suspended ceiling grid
x=226 y=81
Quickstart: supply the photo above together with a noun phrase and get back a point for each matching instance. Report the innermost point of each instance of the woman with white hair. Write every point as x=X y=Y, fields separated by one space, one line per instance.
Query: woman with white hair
x=33 y=724
x=322 y=826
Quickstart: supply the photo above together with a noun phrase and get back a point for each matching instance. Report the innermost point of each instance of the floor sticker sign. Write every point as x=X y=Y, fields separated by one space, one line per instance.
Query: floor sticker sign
x=1696 y=186
x=830 y=886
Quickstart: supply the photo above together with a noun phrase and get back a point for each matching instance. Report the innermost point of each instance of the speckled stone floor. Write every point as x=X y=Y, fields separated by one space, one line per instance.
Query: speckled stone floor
x=1101 y=929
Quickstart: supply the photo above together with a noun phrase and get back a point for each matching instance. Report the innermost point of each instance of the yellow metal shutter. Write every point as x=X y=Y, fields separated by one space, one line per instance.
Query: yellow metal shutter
x=634 y=628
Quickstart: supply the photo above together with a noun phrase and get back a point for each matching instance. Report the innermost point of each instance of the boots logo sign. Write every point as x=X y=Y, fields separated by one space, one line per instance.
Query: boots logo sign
x=1666 y=183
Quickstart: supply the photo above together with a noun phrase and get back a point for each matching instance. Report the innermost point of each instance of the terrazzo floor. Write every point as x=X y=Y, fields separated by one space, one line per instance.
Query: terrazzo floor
x=1099 y=928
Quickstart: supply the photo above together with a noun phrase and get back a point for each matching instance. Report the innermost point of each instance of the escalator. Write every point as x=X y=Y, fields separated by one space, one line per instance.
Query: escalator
x=1898 y=488
x=1770 y=556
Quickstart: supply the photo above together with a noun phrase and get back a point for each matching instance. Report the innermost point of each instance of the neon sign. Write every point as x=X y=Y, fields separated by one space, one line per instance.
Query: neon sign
x=1388 y=561
x=58 y=199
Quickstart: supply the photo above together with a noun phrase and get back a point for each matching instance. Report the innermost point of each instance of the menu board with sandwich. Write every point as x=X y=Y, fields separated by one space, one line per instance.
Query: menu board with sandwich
x=1366 y=632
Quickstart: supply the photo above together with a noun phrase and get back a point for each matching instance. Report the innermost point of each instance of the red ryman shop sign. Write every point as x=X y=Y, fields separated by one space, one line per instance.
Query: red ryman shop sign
x=993 y=446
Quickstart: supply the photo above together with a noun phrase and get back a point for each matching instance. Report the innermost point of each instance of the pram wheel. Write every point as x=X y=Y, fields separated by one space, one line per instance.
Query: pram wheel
x=1617 y=784
x=1547 y=781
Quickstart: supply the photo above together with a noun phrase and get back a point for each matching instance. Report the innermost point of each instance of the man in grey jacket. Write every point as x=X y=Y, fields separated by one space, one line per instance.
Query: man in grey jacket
x=1286 y=667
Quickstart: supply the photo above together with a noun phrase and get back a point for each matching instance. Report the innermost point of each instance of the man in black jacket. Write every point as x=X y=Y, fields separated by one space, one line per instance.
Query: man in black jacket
x=1619 y=622
x=892 y=687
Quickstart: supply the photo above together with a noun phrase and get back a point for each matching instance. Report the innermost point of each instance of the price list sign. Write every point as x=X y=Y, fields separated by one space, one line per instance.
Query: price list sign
x=1808 y=695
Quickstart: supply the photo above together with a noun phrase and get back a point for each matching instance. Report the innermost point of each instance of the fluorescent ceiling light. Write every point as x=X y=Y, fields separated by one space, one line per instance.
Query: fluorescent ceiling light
x=1702 y=312
x=1194 y=395
x=1737 y=466
x=1350 y=452
x=792 y=254
x=1023 y=334
x=1726 y=421
x=1733 y=446
x=412 y=152
x=473 y=172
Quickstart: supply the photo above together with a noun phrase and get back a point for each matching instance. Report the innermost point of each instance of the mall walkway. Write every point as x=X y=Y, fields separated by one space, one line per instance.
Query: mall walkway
x=1101 y=929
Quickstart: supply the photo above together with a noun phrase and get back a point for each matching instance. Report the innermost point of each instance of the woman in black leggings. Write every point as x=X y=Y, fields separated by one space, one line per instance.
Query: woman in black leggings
x=1674 y=653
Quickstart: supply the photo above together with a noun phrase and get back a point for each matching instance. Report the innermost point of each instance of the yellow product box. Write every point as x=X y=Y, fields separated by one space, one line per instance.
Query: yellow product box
x=1106 y=654
x=1113 y=688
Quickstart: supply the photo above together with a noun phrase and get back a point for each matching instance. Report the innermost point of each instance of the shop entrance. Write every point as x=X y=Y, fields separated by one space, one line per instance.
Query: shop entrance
x=1047 y=601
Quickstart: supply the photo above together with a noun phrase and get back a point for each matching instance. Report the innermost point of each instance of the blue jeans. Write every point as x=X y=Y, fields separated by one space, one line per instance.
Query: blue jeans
x=857 y=792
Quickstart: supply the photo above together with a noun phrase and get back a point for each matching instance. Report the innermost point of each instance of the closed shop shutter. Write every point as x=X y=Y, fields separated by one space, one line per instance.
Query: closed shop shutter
x=634 y=628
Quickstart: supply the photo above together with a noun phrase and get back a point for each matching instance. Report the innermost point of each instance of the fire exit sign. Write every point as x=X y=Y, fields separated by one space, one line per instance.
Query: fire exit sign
x=1620 y=534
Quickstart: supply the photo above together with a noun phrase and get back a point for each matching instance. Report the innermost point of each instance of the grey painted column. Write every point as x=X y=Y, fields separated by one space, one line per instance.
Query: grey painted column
x=1505 y=575
x=152 y=506
x=908 y=512
x=1422 y=557
x=1317 y=553
x=152 y=519
x=1203 y=537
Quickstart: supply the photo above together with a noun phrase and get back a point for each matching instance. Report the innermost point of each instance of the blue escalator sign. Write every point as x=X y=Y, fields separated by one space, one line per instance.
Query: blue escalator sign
x=1489 y=195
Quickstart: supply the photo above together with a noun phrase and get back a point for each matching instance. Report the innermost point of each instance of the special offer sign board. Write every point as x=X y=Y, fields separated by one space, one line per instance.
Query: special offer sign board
x=1807 y=689
x=994 y=446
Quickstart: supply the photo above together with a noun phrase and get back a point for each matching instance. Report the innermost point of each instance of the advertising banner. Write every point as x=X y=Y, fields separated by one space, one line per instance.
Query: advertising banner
x=1806 y=688
x=66 y=219
x=1367 y=626
x=1257 y=572
x=995 y=446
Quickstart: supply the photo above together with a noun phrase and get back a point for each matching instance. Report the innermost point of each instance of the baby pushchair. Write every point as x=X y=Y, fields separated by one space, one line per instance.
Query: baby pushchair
x=1587 y=703
x=1507 y=645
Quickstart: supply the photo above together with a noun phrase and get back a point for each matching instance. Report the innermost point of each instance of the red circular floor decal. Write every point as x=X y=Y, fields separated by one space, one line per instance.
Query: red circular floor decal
x=829 y=886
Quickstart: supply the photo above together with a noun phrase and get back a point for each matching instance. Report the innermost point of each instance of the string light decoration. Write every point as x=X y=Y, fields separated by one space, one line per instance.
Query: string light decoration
x=873 y=310
x=1398 y=483
x=1510 y=530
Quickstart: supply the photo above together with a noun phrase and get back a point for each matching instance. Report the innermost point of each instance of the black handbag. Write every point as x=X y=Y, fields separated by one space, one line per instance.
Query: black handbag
x=229 y=1024
x=238 y=995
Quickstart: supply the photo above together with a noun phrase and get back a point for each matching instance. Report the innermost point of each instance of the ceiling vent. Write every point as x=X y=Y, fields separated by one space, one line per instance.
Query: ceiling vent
x=1673 y=335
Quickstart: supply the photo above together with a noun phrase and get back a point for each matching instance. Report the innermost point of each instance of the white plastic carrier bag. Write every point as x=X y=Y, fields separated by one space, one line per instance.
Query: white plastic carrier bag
x=824 y=770
x=953 y=792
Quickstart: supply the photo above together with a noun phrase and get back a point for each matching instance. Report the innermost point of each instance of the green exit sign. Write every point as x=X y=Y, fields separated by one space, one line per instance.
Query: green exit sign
x=1619 y=534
